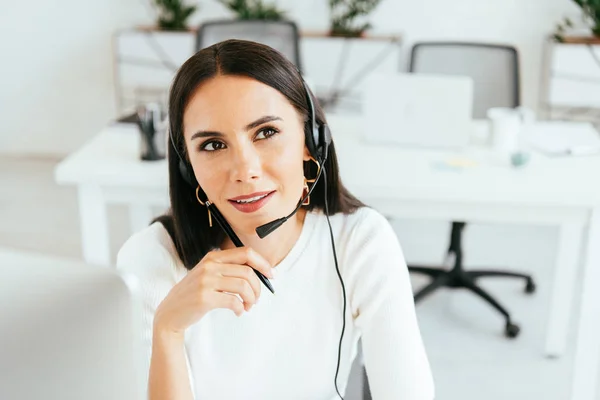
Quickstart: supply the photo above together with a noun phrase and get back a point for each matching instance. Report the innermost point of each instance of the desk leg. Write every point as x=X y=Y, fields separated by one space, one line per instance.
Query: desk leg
x=94 y=225
x=140 y=216
x=587 y=351
x=561 y=302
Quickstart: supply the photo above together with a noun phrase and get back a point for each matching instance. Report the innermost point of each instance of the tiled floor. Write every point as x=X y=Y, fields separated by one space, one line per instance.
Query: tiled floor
x=470 y=357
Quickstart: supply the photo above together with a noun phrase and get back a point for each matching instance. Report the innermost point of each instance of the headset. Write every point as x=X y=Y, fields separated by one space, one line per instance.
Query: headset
x=317 y=140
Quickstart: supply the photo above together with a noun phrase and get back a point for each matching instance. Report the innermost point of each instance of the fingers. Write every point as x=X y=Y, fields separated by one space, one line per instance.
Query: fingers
x=240 y=287
x=244 y=255
x=233 y=273
x=230 y=301
x=242 y=272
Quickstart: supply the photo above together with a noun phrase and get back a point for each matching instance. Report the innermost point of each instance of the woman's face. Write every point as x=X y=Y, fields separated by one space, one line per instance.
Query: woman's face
x=246 y=145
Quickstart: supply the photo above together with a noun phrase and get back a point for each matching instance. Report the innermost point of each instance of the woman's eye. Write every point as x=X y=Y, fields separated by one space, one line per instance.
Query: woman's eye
x=266 y=133
x=212 y=146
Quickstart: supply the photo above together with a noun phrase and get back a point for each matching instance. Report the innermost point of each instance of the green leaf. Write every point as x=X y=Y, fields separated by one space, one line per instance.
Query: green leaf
x=591 y=9
x=254 y=9
x=173 y=14
x=345 y=12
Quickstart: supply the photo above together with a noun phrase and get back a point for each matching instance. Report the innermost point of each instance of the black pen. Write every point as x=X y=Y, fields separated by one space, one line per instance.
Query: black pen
x=236 y=241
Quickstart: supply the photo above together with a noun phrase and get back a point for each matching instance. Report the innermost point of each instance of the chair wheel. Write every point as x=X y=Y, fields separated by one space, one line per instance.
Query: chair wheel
x=512 y=330
x=530 y=287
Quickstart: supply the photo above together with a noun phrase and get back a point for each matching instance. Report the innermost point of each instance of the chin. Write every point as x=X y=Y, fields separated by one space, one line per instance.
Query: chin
x=247 y=223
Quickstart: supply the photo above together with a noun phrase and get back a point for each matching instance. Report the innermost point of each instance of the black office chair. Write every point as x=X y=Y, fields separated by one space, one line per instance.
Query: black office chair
x=495 y=71
x=283 y=36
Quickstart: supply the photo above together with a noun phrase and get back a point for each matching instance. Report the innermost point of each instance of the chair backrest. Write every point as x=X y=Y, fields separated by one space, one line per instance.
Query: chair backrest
x=493 y=68
x=283 y=36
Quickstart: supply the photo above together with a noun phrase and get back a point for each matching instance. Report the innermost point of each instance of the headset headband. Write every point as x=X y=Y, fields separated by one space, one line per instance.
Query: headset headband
x=317 y=140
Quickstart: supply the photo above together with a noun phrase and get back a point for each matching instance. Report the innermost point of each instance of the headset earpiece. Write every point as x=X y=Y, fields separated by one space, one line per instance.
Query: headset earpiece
x=320 y=135
x=318 y=141
x=185 y=173
x=324 y=141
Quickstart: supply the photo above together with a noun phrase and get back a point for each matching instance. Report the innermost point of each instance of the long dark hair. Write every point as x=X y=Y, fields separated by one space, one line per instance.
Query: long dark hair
x=187 y=220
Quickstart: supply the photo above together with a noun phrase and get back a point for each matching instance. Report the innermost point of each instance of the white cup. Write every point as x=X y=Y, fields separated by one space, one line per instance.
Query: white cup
x=506 y=127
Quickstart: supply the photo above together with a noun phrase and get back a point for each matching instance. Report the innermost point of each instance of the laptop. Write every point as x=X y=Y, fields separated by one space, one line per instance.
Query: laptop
x=423 y=110
x=68 y=330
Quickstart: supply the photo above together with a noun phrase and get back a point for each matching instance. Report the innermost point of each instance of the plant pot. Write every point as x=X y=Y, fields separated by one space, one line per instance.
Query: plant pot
x=347 y=34
x=590 y=40
x=156 y=28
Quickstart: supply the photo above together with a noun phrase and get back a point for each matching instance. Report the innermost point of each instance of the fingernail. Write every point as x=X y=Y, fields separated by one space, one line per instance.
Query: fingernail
x=273 y=272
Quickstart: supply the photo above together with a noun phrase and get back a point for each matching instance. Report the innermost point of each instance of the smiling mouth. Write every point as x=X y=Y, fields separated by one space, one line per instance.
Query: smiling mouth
x=251 y=204
x=251 y=200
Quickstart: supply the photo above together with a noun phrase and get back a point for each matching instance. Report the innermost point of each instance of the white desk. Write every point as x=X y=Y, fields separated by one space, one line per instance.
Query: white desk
x=10 y=257
x=402 y=183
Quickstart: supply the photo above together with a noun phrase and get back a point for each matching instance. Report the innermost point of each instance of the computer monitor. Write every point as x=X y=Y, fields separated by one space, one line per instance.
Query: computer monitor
x=68 y=330
x=418 y=110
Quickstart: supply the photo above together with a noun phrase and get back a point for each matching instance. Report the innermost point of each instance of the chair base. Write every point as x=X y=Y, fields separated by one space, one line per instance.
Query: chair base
x=458 y=278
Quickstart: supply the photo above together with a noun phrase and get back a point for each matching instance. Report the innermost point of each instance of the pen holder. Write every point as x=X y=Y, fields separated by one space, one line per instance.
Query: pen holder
x=153 y=131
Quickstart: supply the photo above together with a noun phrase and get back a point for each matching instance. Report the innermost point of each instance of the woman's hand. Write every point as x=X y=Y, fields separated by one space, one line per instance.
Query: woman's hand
x=213 y=283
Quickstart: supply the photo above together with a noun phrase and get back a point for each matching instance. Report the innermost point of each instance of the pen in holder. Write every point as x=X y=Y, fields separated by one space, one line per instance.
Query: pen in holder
x=153 y=128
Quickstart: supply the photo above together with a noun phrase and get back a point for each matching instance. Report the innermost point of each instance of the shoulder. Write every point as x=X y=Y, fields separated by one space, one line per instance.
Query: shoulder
x=372 y=263
x=151 y=253
x=360 y=238
x=367 y=243
x=369 y=219
x=362 y=226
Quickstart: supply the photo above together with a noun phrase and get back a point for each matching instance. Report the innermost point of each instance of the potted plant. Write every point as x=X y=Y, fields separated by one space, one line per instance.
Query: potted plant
x=254 y=10
x=173 y=14
x=344 y=14
x=590 y=17
x=146 y=57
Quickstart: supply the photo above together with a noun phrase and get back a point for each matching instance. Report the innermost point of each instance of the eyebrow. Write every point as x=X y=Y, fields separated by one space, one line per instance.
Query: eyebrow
x=251 y=125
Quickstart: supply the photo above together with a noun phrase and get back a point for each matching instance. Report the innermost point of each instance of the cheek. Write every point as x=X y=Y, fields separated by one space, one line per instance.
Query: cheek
x=286 y=166
x=210 y=179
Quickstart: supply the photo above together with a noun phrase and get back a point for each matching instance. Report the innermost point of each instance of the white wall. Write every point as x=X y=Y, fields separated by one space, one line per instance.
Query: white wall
x=56 y=78
x=56 y=72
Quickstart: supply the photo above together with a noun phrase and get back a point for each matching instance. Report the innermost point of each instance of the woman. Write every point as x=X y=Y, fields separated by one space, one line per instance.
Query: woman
x=240 y=119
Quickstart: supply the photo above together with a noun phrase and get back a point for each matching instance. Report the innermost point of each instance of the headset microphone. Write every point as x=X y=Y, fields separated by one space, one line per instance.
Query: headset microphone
x=317 y=141
x=263 y=230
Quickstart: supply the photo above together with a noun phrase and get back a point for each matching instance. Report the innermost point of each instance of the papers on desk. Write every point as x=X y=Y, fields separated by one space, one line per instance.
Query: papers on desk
x=554 y=140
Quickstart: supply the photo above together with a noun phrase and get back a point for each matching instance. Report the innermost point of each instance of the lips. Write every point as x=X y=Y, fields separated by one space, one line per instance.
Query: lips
x=251 y=202
x=251 y=195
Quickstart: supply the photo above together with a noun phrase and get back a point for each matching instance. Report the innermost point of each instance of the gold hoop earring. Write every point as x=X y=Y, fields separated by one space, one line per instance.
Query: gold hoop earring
x=307 y=201
x=318 y=171
x=204 y=204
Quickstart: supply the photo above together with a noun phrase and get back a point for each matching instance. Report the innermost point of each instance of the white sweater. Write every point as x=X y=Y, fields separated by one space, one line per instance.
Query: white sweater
x=286 y=346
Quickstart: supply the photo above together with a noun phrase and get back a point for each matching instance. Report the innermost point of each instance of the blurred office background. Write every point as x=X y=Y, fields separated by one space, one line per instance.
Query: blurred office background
x=70 y=68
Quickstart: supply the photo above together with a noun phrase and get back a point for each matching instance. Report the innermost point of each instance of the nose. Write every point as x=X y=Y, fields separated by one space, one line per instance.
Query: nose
x=246 y=164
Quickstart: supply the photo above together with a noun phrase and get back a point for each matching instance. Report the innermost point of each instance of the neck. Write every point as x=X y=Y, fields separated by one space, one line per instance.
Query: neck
x=278 y=244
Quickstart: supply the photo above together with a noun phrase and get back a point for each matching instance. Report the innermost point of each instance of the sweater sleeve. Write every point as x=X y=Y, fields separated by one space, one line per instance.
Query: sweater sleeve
x=382 y=305
x=146 y=256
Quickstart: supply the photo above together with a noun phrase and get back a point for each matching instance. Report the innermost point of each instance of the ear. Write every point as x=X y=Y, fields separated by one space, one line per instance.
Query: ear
x=306 y=156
